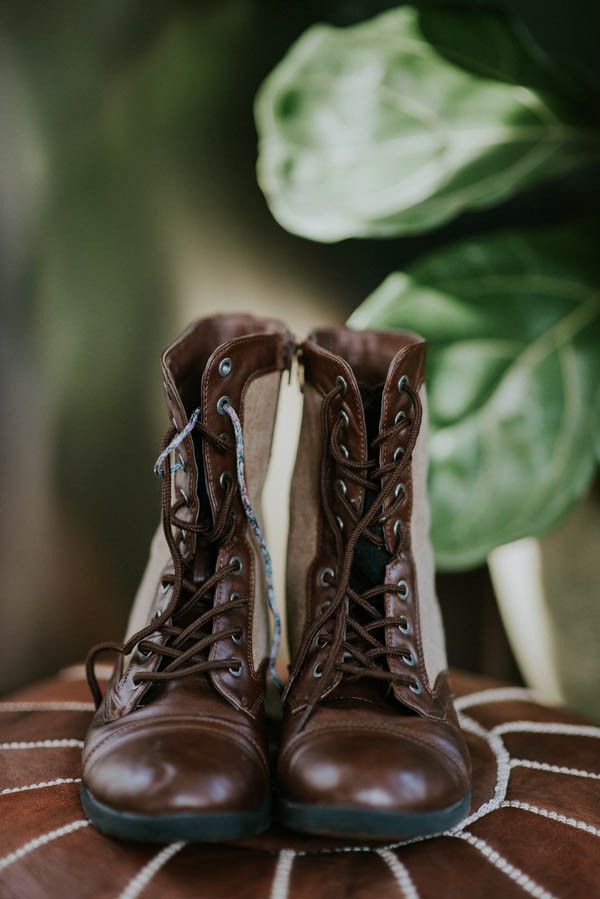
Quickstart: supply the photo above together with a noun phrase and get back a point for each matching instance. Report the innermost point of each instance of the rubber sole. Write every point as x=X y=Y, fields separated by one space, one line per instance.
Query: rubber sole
x=337 y=821
x=203 y=827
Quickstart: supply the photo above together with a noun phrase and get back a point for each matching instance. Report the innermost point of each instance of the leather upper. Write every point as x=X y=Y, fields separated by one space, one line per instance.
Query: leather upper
x=364 y=745
x=197 y=743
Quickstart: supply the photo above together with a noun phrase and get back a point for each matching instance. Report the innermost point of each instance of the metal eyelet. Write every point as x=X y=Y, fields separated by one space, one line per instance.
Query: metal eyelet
x=236 y=672
x=343 y=416
x=404 y=626
x=221 y=403
x=339 y=522
x=398 y=453
x=317 y=670
x=408 y=659
x=225 y=438
x=403 y=590
x=323 y=606
x=397 y=527
x=181 y=461
x=400 y=490
x=237 y=561
x=400 y=416
x=225 y=366
x=238 y=638
x=144 y=654
x=225 y=479
x=329 y=572
x=416 y=687
x=164 y=588
x=402 y=382
x=341 y=382
x=344 y=451
x=184 y=495
x=233 y=597
x=321 y=641
x=340 y=486
x=158 y=613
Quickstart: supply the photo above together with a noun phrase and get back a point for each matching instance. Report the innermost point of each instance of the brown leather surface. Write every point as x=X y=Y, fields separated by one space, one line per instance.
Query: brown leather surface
x=197 y=744
x=173 y=755
x=363 y=747
x=549 y=846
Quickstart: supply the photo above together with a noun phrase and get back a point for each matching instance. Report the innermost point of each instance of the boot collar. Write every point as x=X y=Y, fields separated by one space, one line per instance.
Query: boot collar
x=195 y=374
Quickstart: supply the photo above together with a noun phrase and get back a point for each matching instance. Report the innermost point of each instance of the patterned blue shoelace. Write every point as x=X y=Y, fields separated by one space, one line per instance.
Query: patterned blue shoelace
x=250 y=515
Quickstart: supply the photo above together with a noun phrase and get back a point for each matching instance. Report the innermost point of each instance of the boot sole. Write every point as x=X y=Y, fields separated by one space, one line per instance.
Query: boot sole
x=337 y=821
x=204 y=827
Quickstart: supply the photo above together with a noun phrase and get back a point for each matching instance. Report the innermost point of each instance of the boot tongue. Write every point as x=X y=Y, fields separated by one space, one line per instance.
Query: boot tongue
x=368 y=570
x=370 y=561
x=180 y=414
x=183 y=365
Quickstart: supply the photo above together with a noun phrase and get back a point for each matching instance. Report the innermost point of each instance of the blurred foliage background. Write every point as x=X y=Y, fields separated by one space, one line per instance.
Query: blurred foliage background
x=129 y=204
x=396 y=126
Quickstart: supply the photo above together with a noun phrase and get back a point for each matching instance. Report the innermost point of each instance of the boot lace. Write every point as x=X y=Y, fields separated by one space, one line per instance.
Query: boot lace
x=357 y=640
x=182 y=646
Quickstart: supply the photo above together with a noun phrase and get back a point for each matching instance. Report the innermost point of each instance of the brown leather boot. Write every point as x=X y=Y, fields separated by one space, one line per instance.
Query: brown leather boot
x=177 y=748
x=371 y=744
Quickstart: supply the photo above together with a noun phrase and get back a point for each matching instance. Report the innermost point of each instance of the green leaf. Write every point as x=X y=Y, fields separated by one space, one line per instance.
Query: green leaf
x=374 y=131
x=489 y=43
x=513 y=324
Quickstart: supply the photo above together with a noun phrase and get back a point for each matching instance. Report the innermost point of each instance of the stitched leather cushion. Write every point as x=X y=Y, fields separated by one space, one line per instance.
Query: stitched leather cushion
x=534 y=826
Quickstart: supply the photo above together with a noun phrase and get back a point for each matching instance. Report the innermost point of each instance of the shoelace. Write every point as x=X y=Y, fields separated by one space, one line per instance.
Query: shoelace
x=354 y=650
x=253 y=522
x=185 y=661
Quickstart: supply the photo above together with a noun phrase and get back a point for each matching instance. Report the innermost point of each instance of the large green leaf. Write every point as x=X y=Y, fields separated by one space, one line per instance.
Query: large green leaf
x=513 y=323
x=375 y=131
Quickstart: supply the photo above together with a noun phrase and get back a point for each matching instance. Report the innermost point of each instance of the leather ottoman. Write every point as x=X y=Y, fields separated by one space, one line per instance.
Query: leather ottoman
x=533 y=829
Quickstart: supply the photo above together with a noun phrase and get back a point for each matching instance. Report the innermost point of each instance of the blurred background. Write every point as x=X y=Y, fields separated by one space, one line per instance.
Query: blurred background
x=129 y=206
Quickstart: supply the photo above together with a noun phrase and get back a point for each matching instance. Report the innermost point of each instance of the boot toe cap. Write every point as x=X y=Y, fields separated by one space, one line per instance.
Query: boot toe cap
x=370 y=771
x=165 y=770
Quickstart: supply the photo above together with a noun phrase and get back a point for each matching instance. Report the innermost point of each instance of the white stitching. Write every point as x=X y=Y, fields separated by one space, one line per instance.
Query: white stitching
x=550 y=727
x=43 y=744
x=41 y=841
x=504 y=764
x=145 y=874
x=498 y=748
x=496 y=694
x=286 y=856
x=47 y=706
x=515 y=874
x=283 y=871
x=337 y=849
x=48 y=783
x=400 y=872
x=554 y=816
x=502 y=771
x=554 y=769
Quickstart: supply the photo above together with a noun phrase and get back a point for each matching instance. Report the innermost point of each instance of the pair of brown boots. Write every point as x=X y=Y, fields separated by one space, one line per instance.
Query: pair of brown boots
x=370 y=745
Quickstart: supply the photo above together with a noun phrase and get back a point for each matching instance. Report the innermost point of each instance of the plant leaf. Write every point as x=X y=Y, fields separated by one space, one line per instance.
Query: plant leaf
x=513 y=324
x=489 y=43
x=373 y=131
